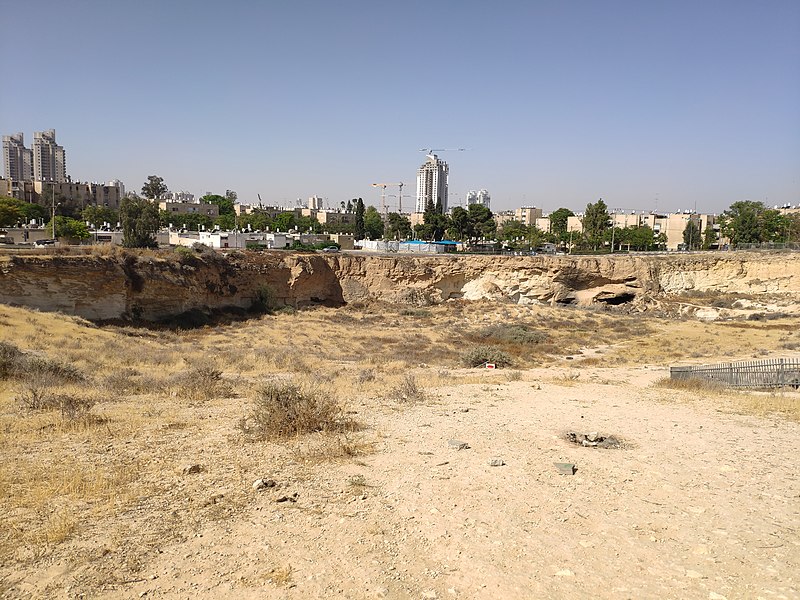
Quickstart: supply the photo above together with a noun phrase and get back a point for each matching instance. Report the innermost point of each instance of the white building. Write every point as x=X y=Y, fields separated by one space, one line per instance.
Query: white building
x=315 y=203
x=17 y=159
x=49 y=159
x=432 y=183
x=480 y=197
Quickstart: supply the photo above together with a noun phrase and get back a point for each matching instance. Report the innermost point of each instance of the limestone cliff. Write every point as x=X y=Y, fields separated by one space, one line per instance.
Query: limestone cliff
x=153 y=286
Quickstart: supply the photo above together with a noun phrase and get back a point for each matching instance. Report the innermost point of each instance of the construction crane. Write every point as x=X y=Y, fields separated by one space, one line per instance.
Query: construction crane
x=432 y=150
x=383 y=195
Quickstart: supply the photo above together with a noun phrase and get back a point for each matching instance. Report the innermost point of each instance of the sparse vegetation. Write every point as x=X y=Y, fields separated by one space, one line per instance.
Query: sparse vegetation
x=407 y=390
x=480 y=355
x=283 y=409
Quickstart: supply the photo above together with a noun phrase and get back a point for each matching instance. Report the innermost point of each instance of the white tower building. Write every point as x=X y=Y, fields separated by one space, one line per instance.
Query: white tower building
x=432 y=183
x=17 y=159
x=49 y=159
x=480 y=197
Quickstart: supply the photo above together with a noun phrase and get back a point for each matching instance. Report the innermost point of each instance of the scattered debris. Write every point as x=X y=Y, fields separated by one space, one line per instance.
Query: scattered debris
x=458 y=445
x=263 y=484
x=496 y=462
x=593 y=440
x=292 y=498
x=565 y=468
x=191 y=469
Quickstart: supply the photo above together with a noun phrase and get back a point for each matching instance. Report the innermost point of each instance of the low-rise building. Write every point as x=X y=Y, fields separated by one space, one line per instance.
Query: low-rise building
x=190 y=208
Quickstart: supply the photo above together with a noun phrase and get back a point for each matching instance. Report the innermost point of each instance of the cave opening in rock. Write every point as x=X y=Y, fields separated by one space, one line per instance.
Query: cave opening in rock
x=617 y=299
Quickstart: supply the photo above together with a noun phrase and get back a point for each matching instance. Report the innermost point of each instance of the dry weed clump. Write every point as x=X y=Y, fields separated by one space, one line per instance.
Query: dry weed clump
x=200 y=384
x=691 y=384
x=407 y=390
x=14 y=363
x=283 y=409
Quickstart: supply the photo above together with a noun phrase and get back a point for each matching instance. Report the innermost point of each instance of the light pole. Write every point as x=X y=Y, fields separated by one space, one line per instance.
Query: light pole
x=53 y=200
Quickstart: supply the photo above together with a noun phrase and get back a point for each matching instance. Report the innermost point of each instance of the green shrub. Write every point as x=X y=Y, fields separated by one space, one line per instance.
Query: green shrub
x=264 y=300
x=200 y=384
x=480 y=355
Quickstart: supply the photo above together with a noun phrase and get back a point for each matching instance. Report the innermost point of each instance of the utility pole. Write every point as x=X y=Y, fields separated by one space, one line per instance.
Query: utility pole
x=53 y=199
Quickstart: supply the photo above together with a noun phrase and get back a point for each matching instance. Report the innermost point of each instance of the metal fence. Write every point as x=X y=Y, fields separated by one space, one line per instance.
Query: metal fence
x=773 y=373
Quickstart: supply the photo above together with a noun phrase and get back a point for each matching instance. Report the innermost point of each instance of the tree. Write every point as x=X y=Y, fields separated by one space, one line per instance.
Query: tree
x=558 y=221
x=154 y=187
x=398 y=227
x=70 y=228
x=595 y=222
x=224 y=203
x=191 y=221
x=373 y=224
x=460 y=225
x=434 y=223
x=709 y=237
x=232 y=196
x=482 y=223
x=284 y=221
x=349 y=207
x=691 y=235
x=10 y=212
x=139 y=219
x=740 y=222
x=97 y=215
x=226 y=222
x=358 y=230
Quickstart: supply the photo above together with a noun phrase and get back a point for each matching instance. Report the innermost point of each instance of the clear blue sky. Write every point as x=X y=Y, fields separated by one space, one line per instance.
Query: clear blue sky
x=682 y=103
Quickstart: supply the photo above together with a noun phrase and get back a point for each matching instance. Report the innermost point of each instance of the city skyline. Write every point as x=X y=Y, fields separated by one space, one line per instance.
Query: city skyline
x=648 y=107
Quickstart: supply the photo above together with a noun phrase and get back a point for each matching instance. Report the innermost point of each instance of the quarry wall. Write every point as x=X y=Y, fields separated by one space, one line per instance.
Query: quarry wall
x=154 y=286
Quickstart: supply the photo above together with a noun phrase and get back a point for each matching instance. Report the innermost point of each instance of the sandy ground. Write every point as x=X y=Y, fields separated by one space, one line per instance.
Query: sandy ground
x=700 y=502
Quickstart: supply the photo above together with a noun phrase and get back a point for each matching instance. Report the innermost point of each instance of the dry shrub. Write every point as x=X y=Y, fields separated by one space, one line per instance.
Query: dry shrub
x=282 y=409
x=691 y=384
x=201 y=384
x=519 y=335
x=407 y=390
x=365 y=376
x=480 y=355
x=14 y=363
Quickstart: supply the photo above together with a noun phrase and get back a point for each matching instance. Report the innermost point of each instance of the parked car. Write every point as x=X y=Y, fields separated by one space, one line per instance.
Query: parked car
x=45 y=242
x=330 y=249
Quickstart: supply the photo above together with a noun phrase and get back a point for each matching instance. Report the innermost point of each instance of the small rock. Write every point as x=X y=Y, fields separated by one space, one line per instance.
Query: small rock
x=464 y=410
x=458 y=445
x=191 y=469
x=429 y=595
x=693 y=574
x=565 y=573
x=292 y=498
x=382 y=592
x=496 y=462
x=592 y=437
x=565 y=468
x=263 y=484
x=716 y=596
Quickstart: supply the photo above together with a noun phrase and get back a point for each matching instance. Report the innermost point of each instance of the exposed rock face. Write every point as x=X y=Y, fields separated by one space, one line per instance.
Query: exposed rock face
x=152 y=287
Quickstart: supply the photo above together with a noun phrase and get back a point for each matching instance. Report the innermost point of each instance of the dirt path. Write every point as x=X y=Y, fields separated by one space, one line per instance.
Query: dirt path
x=699 y=503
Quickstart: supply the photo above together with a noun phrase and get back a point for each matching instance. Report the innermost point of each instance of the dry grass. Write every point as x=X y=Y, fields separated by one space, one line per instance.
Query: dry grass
x=780 y=402
x=119 y=410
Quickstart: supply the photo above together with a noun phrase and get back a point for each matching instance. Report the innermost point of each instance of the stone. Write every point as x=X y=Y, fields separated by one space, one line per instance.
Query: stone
x=592 y=437
x=458 y=445
x=565 y=468
x=565 y=573
x=429 y=595
x=716 y=596
x=496 y=462
x=263 y=484
x=693 y=574
x=292 y=498
x=191 y=469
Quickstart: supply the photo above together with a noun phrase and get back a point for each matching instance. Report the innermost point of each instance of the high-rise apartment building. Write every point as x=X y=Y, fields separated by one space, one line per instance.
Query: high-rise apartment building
x=432 y=183
x=17 y=159
x=481 y=197
x=49 y=159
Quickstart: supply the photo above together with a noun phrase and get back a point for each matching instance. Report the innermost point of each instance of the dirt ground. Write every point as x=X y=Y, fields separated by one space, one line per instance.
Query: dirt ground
x=701 y=499
x=699 y=502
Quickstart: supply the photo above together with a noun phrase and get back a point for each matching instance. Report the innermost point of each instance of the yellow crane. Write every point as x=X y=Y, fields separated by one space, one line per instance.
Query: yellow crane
x=383 y=187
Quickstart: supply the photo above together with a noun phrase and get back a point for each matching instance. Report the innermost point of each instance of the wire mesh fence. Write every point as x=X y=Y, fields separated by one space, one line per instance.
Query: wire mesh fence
x=772 y=373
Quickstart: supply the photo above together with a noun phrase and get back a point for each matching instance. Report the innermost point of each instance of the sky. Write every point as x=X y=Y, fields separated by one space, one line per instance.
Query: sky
x=649 y=105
